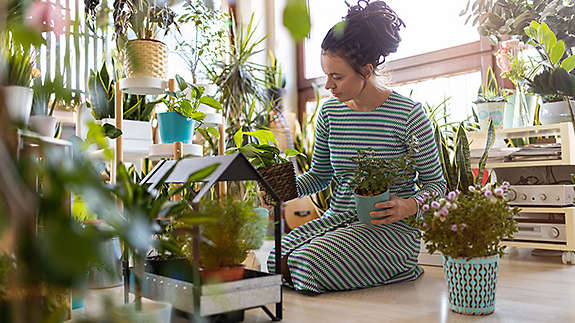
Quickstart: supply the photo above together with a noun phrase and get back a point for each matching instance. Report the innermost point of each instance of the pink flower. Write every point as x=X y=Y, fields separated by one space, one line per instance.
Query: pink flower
x=454 y=227
x=444 y=211
x=425 y=207
x=47 y=16
x=435 y=205
x=510 y=44
x=505 y=183
x=426 y=195
x=487 y=193
x=503 y=62
x=424 y=225
x=463 y=226
x=451 y=196
x=498 y=191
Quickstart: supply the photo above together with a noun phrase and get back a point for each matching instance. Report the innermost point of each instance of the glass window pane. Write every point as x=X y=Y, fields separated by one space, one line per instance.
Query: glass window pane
x=460 y=89
x=430 y=27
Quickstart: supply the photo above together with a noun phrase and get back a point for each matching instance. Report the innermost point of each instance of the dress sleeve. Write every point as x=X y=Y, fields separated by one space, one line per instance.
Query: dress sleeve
x=427 y=165
x=320 y=173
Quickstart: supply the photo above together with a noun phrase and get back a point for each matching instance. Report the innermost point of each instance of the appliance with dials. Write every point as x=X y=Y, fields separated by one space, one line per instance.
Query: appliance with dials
x=541 y=195
x=548 y=227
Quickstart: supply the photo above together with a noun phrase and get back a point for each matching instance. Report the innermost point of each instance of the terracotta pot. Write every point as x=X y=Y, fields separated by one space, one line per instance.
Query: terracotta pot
x=225 y=274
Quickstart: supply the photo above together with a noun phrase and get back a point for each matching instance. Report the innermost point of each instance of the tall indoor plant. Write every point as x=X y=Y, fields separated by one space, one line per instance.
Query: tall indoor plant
x=374 y=176
x=467 y=229
x=145 y=56
x=48 y=94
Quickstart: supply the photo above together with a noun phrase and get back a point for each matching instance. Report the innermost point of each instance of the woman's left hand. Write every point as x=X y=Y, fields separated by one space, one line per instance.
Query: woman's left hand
x=397 y=208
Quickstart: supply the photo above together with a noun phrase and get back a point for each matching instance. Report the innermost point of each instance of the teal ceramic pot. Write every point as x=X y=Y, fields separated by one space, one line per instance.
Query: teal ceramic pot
x=366 y=204
x=175 y=127
x=471 y=283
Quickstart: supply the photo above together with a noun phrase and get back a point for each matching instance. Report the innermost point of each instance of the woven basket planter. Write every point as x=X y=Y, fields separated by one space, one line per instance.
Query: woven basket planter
x=281 y=178
x=471 y=284
x=146 y=58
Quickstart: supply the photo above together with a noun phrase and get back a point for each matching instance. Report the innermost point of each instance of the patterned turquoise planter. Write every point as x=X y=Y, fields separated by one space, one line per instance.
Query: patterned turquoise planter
x=471 y=284
x=175 y=127
x=366 y=204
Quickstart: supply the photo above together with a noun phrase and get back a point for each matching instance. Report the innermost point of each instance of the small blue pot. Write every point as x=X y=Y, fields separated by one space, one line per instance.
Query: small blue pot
x=471 y=284
x=175 y=127
x=366 y=204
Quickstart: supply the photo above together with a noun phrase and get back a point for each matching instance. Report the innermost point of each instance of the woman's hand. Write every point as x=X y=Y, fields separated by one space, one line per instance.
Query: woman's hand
x=261 y=196
x=397 y=208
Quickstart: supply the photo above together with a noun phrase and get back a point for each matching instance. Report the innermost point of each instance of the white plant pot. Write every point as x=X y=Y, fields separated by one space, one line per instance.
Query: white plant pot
x=152 y=312
x=18 y=101
x=555 y=112
x=136 y=136
x=44 y=125
x=494 y=111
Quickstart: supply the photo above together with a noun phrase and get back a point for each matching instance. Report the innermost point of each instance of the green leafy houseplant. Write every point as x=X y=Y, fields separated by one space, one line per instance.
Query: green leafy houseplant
x=50 y=93
x=468 y=224
x=489 y=91
x=374 y=175
x=497 y=18
x=557 y=77
x=178 y=101
x=101 y=99
x=227 y=241
x=19 y=62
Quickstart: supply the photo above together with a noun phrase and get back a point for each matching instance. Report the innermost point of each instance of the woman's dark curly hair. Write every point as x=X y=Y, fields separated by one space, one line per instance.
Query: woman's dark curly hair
x=368 y=33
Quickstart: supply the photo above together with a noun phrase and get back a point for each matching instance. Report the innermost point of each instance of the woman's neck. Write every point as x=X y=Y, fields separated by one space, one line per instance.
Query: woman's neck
x=370 y=98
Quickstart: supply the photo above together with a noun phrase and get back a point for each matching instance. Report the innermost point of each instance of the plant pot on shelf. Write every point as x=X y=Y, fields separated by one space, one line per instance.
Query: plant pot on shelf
x=151 y=312
x=222 y=275
x=471 y=283
x=555 y=112
x=366 y=204
x=136 y=135
x=281 y=177
x=175 y=268
x=175 y=127
x=44 y=125
x=494 y=111
x=146 y=58
x=18 y=100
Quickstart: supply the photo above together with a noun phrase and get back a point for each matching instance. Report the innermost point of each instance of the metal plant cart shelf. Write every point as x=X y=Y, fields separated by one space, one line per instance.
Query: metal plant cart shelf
x=256 y=289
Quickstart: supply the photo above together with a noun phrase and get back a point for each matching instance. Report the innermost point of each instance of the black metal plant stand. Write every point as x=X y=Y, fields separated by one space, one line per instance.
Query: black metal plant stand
x=234 y=167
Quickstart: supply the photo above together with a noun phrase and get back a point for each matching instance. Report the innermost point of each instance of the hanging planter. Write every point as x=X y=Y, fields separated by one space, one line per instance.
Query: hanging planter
x=471 y=283
x=146 y=58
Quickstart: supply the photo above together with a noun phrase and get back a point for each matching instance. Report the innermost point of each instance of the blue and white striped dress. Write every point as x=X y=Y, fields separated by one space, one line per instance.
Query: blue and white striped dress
x=336 y=251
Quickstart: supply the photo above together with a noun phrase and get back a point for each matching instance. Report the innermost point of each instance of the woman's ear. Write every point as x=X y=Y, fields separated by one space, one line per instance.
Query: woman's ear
x=366 y=71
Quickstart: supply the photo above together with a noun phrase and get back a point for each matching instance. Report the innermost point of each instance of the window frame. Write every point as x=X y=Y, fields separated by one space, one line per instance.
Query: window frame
x=460 y=59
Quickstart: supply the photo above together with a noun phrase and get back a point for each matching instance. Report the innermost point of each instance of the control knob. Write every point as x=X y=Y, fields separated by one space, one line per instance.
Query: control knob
x=510 y=195
x=523 y=196
x=542 y=197
x=554 y=233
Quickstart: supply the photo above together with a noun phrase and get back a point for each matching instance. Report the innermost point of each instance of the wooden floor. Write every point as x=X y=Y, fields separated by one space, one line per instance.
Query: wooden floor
x=529 y=289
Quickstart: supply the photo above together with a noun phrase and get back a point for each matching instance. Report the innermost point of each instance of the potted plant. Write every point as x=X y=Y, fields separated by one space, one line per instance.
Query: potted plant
x=179 y=122
x=136 y=128
x=47 y=95
x=374 y=175
x=467 y=229
x=237 y=229
x=275 y=168
x=145 y=56
x=490 y=102
x=19 y=66
x=556 y=79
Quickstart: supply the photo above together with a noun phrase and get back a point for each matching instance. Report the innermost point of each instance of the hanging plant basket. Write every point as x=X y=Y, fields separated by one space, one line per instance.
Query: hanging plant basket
x=146 y=58
x=281 y=178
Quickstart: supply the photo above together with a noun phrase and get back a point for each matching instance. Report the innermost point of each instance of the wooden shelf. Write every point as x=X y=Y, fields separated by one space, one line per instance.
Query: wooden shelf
x=564 y=132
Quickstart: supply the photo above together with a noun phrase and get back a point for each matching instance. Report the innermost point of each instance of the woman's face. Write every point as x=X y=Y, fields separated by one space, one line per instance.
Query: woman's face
x=342 y=80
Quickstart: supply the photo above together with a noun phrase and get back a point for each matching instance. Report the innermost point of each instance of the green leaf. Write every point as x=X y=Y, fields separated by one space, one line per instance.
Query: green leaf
x=557 y=52
x=531 y=31
x=182 y=84
x=203 y=173
x=483 y=160
x=208 y=100
x=263 y=136
x=213 y=132
x=549 y=41
x=569 y=63
x=238 y=138
x=291 y=152
x=542 y=32
x=110 y=131
x=296 y=19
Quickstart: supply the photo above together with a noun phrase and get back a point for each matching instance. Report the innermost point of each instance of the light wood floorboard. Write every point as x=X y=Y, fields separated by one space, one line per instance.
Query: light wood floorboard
x=529 y=289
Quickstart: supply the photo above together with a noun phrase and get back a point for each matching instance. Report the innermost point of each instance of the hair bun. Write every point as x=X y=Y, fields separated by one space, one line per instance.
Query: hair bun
x=366 y=10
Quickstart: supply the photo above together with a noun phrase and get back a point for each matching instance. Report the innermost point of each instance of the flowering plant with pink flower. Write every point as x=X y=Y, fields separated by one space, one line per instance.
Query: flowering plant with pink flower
x=468 y=224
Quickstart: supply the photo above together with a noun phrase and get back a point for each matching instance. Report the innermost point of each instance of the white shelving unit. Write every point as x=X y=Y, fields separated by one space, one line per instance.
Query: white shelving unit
x=566 y=137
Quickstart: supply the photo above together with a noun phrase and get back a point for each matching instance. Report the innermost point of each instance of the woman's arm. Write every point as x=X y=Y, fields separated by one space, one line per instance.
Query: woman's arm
x=320 y=173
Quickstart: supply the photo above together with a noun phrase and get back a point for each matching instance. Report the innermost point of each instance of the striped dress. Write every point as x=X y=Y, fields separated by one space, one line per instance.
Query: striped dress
x=336 y=251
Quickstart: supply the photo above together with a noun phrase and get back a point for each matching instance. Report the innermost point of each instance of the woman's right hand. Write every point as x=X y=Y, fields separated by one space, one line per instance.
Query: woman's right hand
x=261 y=196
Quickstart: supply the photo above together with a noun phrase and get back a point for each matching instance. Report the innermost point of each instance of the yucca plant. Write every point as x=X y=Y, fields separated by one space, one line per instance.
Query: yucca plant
x=489 y=91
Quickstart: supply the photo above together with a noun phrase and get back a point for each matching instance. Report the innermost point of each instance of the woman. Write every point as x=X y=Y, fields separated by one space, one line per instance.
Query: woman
x=336 y=252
